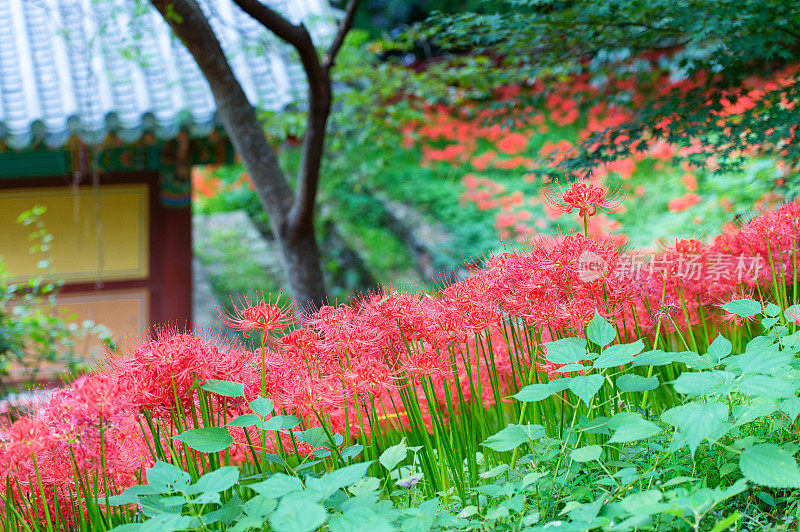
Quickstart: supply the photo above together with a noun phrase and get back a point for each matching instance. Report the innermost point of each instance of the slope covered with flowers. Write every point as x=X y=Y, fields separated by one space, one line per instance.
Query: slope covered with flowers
x=347 y=365
x=529 y=130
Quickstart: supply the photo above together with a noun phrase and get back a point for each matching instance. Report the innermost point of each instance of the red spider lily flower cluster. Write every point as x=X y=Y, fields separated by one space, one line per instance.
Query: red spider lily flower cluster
x=340 y=359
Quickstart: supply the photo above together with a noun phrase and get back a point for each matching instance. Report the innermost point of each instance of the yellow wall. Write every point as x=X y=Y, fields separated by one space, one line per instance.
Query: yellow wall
x=96 y=235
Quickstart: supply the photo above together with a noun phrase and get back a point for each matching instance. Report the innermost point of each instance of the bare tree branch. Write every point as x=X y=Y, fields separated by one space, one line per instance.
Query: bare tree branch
x=294 y=34
x=341 y=33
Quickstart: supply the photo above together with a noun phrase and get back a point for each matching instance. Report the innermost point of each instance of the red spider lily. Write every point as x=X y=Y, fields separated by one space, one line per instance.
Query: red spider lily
x=585 y=196
x=683 y=202
x=263 y=316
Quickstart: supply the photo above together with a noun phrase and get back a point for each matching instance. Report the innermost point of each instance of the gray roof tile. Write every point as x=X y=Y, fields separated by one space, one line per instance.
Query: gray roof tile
x=100 y=67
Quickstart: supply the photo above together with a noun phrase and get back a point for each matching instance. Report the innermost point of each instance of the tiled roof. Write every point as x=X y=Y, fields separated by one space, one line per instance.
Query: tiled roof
x=97 y=67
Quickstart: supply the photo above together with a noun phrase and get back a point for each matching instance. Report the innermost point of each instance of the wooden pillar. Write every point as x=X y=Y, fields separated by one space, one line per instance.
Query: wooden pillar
x=174 y=237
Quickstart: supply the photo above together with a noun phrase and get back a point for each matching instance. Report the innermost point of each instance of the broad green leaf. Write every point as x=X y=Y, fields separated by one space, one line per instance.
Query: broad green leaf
x=315 y=437
x=643 y=502
x=224 y=388
x=597 y=425
x=769 y=465
x=791 y=313
x=360 y=519
x=262 y=406
x=245 y=420
x=513 y=436
x=538 y=392
x=743 y=308
x=792 y=341
x=697 y=421
x=298 y=514
x=618 y=355
x=276 y=486
x=746 y=413
x=129 y=496
x=765 y=359
x=162 y=522
x=495 y=471
x=586 y=386
x=394 y=455
x=790 y=407
x=720 y=347
x=228 y=513
x=629 y=427
x=587 y=453
x=599 y=331
x=656 y=357
x=206 y=439
x=167 y=478
x=345 y=476
x=765 y=386
x=569 y=368
x=567 y=350
x=636 y=383
x=352 y=451
x=772 y=310
x=260 y=507
x=279 y=423
x=704 y=382
x=216 y=481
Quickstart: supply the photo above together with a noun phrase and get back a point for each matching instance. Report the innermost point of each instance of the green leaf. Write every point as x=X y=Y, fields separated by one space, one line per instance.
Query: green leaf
x=656 y=357
x=167 y=478
x=618 y=355
x=772 y=310
x=277 y=486
x=260 y=507
x=129 y=496
x=704 y=383
x=743 y=308
x=790 y=407
x=206 y=439
x=224 y=388
x=766 y=359
x=352 y=451
x=538 y=392
x=315 y=437
x=360 y=519
x=629 y=427
x=513 y=436
x=229 y=512
x=569 y=368
x=764 y=386
x=720 y=347
x=298 y=514
x=394 y=455
x=586 y=386
x=727 y=523
x=216 y=481
x=245 y=420
x=769 y=465
x=261 y=406
x=791 y=313
x=636 y=383
x=587 y=453
x=697 y=421
x=599 y=331
x=567 y=350
x=343 y=477
x=278 y=423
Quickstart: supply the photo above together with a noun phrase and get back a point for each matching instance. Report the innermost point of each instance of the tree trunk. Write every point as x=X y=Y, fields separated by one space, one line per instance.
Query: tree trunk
x=291 y=218
x=301 y=262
